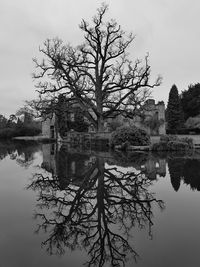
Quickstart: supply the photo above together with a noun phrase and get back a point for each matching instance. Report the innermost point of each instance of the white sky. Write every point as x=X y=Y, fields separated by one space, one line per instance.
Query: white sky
x=169 y=30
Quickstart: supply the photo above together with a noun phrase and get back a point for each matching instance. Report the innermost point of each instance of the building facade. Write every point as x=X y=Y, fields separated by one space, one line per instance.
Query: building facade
x=151 y=119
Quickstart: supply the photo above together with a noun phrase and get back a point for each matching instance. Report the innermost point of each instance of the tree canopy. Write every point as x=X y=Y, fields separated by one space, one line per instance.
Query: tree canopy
x=174 y=110
x=190 y=100
x=97 y=74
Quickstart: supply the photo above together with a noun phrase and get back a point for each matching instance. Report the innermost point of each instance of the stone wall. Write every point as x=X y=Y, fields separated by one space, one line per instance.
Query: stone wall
x=48 y=124
x=151 y=110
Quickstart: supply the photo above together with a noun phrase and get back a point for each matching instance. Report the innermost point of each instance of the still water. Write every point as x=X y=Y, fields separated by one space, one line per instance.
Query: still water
x=67 y=207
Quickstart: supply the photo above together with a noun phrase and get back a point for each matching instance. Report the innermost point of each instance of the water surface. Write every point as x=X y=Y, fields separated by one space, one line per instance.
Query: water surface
x=68 y=207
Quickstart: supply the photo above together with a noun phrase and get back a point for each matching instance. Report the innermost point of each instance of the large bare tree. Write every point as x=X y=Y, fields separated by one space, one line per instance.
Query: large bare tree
x=97 y=74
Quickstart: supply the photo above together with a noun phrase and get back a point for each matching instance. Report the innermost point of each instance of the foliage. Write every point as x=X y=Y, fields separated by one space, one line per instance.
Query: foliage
x=187 y=140
x=190 y=101
x=184 y=131
x=113 y=125
x=8 y=133
x=153 y=123
x=167 y=138
x=130 y=135
x=3 y=121
x=177 y=146
x=174 y=110
x=31 y=107
x=160 y=146
x=96 y=74
x=193 y=122
x=126 y=159
x=79 y=123
x=173 y=143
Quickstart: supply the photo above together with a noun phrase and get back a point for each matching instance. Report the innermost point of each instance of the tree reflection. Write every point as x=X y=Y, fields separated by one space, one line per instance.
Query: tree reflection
x=97 y=213
x=185 y=169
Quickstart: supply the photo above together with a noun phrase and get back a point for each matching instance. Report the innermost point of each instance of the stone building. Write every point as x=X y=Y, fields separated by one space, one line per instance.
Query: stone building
x=48 y=126
x=151 y=118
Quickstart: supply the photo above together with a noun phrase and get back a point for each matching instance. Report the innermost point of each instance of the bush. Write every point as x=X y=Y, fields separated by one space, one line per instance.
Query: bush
x=173 y=143
x=184 y=131
x=161 y=146
x=167 y=138
x=177 y=146
x=130 y=136
x=187 y=140
x=27 y=131
x=8 y=133
x=113 y=125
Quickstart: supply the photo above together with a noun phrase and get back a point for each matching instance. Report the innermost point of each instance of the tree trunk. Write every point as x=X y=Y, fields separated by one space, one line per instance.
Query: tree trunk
x=100 y=124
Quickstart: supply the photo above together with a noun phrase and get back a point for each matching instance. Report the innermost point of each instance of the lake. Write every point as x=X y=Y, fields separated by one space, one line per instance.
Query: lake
x=63 y=206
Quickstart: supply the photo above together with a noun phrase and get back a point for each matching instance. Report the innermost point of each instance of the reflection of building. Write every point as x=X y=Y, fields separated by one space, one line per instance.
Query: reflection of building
x=154 y=167
x=49 y=160
x=73 y=168
x=68 y=167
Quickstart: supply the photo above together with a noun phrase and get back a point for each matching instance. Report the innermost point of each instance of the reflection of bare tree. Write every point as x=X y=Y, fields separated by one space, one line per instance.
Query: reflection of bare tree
x=91 y=214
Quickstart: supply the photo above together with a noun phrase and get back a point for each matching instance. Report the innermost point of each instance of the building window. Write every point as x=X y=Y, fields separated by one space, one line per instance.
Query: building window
x=52 y=132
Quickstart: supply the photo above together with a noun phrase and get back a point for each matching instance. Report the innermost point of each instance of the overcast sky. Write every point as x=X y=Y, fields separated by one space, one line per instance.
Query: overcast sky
x=168 y=30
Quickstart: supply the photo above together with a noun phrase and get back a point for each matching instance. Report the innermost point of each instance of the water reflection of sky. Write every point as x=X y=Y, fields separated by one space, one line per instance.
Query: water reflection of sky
x=172 y=178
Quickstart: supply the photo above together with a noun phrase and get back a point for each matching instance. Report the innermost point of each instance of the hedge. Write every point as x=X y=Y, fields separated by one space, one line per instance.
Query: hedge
x=173 y=143
x=8 y=133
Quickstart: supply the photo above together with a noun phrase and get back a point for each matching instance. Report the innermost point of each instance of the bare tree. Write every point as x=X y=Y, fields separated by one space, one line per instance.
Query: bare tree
x=98 y=74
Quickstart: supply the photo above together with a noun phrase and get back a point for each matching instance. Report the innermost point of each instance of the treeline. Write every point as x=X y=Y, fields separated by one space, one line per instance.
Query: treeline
x=13 y=126
x=183 y=111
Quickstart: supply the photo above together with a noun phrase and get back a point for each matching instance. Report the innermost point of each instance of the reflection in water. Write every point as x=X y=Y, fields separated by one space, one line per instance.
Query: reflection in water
x=23 y=154
x=93 y=201
x=89 y=204
x=185 y=169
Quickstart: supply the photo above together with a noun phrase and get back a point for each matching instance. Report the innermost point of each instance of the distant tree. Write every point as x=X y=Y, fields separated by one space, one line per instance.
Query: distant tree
x=3 y=122
x=190 y=101
x=174 y=114
x=11 y=121
x=19 y=123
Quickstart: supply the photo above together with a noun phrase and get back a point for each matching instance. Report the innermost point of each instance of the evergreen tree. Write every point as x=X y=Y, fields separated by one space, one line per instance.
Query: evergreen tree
x=190 y=100
x=174 y=110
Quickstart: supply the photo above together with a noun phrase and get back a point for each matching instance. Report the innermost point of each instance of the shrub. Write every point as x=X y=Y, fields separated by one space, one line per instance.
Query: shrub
x=167 y=138
x=161 y=146
x=131 y=136
x=113 y=125
x=187 y=140
x=27 y=131
x=177 y=146
x=8 y=133
x=173 y=143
